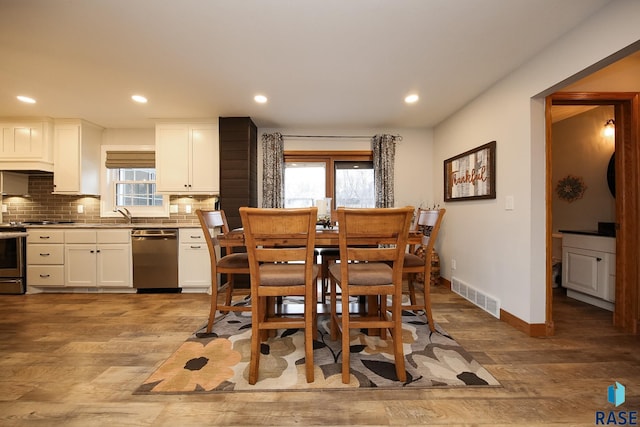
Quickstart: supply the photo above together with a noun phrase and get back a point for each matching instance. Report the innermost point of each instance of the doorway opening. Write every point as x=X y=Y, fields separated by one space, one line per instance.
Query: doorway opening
x=625 y=224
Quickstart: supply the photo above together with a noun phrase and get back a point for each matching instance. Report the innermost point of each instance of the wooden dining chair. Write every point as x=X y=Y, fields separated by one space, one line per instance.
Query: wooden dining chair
x=280 y=244
x=417 y=262
x=372 y=246
x=229 y=264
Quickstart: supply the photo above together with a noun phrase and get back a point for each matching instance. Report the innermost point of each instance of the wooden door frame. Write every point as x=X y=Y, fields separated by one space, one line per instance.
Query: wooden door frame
x=626 y=105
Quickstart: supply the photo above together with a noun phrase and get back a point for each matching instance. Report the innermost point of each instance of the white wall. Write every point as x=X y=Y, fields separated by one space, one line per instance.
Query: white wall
x=580 y=149
x=500 y=252
x=414 y=158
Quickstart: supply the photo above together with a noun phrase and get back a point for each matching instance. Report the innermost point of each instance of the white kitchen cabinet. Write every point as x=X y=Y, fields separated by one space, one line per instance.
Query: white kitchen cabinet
x=45 y=258
x=588 y=268
x=98 y=258
x=26 y=145
x=76 y=168
x=187 y=158
x=194 y=266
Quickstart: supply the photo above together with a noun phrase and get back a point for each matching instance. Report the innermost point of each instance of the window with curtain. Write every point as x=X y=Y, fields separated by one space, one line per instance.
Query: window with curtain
x=345 y=176
x=130 y=182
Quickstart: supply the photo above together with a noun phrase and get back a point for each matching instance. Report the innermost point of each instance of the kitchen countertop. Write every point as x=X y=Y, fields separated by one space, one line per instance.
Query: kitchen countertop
x=587 y=233
x=105 y=225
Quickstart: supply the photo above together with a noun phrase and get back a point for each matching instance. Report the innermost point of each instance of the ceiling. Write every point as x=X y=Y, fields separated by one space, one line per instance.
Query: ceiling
x=322 y=63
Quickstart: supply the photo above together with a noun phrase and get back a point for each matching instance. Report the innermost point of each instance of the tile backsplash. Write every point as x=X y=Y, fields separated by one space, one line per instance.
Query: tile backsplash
x=42 y=205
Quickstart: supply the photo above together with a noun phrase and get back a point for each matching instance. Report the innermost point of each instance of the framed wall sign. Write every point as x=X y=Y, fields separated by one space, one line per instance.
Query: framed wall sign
x=471 y=175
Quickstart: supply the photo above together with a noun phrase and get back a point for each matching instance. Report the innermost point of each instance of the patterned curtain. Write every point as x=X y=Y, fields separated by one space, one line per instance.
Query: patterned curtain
x=384 y=154
x=272 y=170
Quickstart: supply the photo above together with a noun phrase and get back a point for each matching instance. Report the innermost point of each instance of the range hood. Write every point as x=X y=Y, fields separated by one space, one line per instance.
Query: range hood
x=14 y=184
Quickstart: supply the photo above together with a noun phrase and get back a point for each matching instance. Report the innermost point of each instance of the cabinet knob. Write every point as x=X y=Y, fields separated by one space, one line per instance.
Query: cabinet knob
x=44 y=237
x=44 y=276
x=195 y=247
x=45 y=254
x=598 y=259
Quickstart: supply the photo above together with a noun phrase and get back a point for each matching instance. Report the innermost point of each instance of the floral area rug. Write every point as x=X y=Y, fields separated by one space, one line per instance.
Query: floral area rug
x=219 y=362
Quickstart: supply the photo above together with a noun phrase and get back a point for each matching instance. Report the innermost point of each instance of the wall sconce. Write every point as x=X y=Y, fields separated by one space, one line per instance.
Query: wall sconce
x=610 y=128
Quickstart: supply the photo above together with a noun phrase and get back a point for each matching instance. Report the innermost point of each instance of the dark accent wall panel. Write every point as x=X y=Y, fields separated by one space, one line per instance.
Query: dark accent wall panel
x=238 y=166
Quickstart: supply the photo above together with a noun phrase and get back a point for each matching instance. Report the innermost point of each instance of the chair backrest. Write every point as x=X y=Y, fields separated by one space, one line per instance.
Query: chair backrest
x=374 y=235
x=430 y=221
x=211 y=220
x=279 y=235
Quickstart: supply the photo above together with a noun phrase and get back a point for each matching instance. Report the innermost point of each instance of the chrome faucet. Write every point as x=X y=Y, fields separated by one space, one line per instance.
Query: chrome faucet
x=125 y=213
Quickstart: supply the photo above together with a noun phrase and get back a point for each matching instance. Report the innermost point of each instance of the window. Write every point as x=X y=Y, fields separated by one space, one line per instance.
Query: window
x=130 y=182
x=344 y=176
x=136 y=187
x=355 y=187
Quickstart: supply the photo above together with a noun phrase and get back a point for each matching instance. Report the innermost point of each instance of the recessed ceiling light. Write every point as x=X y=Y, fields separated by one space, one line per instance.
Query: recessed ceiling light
x=26 y=99
x=410 y=99
x=139 y=98
x=260 y=99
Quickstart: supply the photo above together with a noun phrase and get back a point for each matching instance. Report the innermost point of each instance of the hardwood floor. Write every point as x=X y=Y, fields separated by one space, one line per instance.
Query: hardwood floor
x=75 y=359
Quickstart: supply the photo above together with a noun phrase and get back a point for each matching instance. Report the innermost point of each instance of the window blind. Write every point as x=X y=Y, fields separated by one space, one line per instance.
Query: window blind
x=130 y=159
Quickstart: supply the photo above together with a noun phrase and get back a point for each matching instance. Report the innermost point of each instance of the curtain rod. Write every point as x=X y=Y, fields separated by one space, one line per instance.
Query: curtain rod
x=398 y=137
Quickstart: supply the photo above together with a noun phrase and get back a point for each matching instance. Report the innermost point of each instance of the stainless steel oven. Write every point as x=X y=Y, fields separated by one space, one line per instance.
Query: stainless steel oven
x=12 y=260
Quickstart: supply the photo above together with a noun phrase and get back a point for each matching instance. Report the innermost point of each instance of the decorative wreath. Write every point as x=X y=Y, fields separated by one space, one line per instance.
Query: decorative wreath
x=571 y=188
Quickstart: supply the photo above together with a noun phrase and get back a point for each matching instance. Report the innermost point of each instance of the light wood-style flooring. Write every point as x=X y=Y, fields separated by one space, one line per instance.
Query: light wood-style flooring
x=75 y=360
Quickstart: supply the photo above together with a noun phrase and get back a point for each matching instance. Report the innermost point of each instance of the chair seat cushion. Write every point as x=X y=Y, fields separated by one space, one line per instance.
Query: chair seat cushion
x=284 y=274
x=411 y=260
x=239 y=260
x=369 y=273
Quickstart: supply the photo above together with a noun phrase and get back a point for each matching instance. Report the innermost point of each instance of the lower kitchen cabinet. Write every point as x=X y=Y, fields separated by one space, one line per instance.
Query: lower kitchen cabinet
x=45 y=258
x=98 y=258
x=194 y=267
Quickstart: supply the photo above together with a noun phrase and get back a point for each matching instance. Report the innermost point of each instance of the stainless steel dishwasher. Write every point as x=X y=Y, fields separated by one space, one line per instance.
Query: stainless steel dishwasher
x=155 y=260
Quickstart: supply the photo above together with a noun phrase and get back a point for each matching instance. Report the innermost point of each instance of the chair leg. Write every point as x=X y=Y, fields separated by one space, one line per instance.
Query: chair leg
x=333 y=315
x=346 y=341
x=427 y=298
x=412 y=288
x=309 y=327
x=230 y=288
x=214 y=305
x=257 y=310
x=397 y=338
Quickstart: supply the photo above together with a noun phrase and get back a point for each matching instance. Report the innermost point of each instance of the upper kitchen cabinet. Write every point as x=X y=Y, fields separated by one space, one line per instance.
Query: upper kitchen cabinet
x=26 y=145
x=187 y=158
x=76 y=157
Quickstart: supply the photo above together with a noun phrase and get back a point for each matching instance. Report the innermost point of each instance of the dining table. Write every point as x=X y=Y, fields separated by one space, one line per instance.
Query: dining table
x=325 y=238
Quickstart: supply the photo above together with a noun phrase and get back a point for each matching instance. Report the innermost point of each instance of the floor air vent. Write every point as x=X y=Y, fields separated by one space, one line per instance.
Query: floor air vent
x=485 y=302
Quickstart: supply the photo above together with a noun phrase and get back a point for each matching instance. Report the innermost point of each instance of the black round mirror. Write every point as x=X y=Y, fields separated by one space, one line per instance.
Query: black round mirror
x=611 y=174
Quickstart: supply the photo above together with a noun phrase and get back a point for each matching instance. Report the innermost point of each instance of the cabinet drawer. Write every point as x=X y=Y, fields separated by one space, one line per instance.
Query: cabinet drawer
x=45 y=275
x=80 y=236
x=45 y=236
x=45 y=254
x=114 y=236
x=192 y=235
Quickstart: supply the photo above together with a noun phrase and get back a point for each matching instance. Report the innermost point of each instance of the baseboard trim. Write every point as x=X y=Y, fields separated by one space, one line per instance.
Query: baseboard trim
x=531 y=329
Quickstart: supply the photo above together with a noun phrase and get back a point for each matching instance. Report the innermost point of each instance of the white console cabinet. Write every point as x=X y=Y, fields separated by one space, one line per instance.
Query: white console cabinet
x=589 y=268
x=194 y=267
